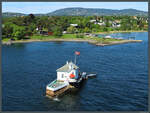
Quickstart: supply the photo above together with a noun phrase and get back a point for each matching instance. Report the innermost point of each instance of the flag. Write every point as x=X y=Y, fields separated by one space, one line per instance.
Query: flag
x=77 y=52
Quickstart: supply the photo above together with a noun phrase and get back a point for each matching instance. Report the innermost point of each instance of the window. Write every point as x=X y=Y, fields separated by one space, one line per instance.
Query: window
x=62 y=76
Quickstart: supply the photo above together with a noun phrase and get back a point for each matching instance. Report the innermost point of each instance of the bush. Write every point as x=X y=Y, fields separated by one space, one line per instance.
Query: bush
x=105 y=29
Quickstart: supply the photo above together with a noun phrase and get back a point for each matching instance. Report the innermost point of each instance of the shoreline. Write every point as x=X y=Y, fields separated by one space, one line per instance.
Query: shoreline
x=91 y=41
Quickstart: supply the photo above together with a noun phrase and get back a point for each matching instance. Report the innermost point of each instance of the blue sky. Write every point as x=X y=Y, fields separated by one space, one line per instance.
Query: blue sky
x=45 y=7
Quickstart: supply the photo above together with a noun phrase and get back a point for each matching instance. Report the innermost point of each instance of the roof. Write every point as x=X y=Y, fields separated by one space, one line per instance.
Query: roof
x=74 y=24
x=67 y=67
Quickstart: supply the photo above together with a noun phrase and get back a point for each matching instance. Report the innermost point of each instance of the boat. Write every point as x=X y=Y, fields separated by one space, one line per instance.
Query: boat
x=108 y=37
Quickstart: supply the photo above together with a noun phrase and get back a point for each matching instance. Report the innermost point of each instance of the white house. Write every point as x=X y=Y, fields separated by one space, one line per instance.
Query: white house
x=66 y=72
x=75 y=25
x=92 y=20
x=101 y=23
x=114 y=24
x=37 y=28
x=64 y=32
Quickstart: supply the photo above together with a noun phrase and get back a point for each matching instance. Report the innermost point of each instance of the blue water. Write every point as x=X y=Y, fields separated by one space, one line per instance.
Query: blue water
x=119 y=35
x=121 y=83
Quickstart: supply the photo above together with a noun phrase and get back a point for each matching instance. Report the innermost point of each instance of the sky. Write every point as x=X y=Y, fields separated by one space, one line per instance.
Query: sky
x=46 y=7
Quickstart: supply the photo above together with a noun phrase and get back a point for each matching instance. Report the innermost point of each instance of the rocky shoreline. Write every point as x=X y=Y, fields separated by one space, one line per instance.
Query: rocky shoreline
x=75 y=40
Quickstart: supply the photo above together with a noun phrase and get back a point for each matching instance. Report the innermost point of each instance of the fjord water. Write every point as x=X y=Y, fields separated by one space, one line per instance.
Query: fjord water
x=121 y=83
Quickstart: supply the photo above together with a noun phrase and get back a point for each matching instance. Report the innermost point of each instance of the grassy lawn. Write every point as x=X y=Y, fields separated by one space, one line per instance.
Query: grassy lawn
x=69 y=36
x=5 y=39
x=39 y=37
x=65 y=36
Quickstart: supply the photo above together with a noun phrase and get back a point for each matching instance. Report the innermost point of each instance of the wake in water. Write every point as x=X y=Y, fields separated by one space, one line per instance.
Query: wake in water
x=53 y=98
x=56 y=99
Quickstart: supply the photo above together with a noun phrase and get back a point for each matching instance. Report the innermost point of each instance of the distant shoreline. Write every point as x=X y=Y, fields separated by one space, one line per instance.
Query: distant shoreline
x=89 y=40
x=77 y=40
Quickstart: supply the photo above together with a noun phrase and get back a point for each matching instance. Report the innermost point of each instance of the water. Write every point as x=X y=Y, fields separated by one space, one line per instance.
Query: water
x=121 y=83
x=119 y=35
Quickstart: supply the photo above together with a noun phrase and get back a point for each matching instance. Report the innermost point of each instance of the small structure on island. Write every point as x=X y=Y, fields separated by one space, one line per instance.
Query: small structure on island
x=108 y=36
x=68 y=77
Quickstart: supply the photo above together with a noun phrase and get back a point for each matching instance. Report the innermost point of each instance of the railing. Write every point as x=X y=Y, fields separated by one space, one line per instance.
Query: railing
x=52 y=82
x=57 y=88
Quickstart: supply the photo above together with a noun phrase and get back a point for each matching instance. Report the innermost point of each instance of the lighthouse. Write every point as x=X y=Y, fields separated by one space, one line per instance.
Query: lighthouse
x=68 y=76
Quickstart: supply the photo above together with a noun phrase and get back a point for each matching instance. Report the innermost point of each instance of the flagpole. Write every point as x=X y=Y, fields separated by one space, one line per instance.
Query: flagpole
x=75 y=59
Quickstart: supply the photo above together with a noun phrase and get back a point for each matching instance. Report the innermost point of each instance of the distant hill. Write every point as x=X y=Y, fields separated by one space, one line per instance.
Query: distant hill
x=97 y=12
x=13 y=14
x=85 y=12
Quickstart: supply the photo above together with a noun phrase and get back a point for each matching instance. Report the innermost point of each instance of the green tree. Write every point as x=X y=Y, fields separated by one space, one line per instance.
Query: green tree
x=71 y=29
x=105 y=29
x=7 y=30
x=87 y=30
x=57 y=31
x=19 y=33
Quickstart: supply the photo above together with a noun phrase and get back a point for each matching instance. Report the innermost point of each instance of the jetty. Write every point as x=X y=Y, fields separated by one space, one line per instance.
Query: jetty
x=68 y=77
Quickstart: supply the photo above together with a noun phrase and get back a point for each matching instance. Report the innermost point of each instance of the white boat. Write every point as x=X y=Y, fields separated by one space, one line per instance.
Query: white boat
x=108 y=37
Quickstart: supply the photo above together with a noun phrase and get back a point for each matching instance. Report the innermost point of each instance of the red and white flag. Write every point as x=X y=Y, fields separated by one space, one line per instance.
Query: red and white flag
x=77 y=52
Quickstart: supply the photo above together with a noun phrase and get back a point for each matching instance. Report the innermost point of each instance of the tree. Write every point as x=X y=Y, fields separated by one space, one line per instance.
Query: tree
x=19 y=33
x=7 y=30
x=105 y=29
x=87 y=30
x=71 y=29
x=57 y=31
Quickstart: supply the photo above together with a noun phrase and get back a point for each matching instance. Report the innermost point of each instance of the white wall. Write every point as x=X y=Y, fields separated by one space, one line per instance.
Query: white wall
x=59 y=75
x=66 y=75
